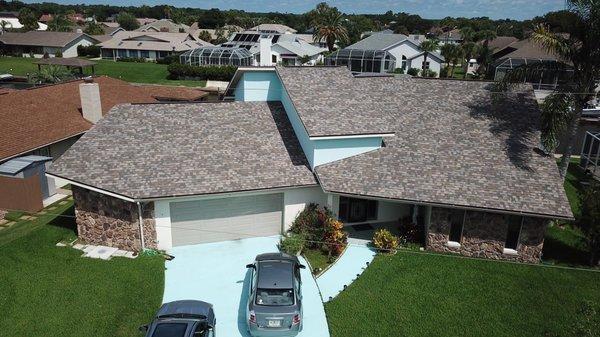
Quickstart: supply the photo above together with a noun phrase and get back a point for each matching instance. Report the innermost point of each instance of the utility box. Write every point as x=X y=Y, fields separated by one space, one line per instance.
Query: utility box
x=23 y=183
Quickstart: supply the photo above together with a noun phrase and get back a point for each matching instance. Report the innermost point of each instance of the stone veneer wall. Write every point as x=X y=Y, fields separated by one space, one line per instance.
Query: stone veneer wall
x=113 y=222
x=484 y=235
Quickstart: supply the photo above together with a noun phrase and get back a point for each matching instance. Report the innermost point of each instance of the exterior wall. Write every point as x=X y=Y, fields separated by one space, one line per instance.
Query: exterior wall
x=21 y=193
x=294 y=201
x=386 y=211
x=484 y=236
x=329 y=150
x=258 y=87
x=407 y=49
x=108 y=221
x=70 y=50
x=434 y=64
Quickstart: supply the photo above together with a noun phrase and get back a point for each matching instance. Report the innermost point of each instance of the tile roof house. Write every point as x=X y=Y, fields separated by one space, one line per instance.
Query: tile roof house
x=149 y=45
x=40 y=43
x=464 y=166
x=165 y=26
x=47 y=120
x=384 y=52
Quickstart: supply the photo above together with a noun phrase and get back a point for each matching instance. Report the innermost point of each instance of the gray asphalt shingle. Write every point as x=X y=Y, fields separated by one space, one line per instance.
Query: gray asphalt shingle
x=160 y=150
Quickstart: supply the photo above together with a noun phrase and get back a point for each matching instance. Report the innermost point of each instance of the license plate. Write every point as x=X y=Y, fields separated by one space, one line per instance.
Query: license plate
x=274 y=323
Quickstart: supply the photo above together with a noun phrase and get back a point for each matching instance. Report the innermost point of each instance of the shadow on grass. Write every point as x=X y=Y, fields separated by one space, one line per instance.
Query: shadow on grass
x=65 y=220
x=564 y=246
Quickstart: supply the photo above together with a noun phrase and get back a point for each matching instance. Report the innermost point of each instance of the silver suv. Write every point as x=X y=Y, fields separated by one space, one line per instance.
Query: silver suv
x=275 y=297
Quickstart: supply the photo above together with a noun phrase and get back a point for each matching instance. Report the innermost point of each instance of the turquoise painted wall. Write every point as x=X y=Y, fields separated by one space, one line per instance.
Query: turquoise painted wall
x=264 y=86
x=329 y=150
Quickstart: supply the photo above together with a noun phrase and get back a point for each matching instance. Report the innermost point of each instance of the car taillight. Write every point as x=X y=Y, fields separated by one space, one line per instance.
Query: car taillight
x=252 y=318
x=296 y=319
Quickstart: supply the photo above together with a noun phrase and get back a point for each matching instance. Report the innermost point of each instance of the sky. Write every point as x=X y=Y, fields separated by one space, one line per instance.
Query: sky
x=431 y=9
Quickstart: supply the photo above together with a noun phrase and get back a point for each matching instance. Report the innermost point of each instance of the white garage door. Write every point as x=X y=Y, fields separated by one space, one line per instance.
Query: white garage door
x=224 y=219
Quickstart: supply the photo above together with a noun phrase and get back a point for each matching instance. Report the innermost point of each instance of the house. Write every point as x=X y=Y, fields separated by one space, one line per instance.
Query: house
x=384 y=52
x=274 y=28
x=164 y=25
x=529 y=52
x=148 y=45
x=277 y=48
x=464 y=167
x=224 y=32
x=41 y=43
x=47 y=120
x=10 y=20
x=452 y=36
x=141 y=21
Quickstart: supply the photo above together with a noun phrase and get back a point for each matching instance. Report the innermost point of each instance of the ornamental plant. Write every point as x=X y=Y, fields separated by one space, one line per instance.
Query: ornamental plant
x=385 y=241
x=321 y=230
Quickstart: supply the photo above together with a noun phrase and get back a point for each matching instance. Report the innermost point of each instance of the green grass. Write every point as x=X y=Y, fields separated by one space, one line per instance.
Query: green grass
x=51 y=291
x=573 y=185
x=417 y=294
x=127 y=71
x=564 y=245
x=317 y=259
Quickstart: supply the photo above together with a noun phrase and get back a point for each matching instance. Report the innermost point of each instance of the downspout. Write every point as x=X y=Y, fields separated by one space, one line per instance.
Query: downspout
x=141 y=221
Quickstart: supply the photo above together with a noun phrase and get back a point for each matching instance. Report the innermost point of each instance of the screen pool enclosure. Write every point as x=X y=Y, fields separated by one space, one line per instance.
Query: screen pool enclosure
x=217 y=56
x=363 y=61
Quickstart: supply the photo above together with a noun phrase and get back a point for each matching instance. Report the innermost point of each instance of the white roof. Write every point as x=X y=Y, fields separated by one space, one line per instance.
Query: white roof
x=298 y=46
x=15 y=24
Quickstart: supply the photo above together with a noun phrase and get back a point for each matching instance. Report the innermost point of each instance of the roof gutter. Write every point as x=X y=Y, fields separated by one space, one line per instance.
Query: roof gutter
x=91 y=188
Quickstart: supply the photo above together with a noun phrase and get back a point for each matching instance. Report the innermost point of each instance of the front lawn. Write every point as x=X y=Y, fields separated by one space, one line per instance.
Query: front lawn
x=127 y=71
x=317 y=258
x=51 y=291
x=418 y=294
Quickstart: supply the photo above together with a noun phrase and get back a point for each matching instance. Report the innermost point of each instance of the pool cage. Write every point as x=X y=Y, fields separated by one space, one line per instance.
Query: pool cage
x=217 y=56
x=590 y=153
x=544 y=79
x=362 y=61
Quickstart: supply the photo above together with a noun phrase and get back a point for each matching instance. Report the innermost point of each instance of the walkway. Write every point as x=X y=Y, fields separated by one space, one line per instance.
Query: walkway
x=216 y=273
x=345 y=270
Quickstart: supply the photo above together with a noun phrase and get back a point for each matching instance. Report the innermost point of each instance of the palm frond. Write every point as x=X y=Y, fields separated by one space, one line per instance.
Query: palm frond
x=521 y=73
x=555 y=118
x=553 y=43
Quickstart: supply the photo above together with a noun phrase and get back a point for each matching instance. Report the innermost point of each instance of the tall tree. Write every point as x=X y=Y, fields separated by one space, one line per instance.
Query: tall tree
x=127 y=21
x=428 y=46
x=328 y=25
x=93 y=28
x=59 y=23
x=28 y=19
x=580 y=46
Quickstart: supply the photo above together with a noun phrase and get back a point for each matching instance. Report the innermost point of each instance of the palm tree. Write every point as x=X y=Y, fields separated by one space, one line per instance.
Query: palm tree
x=580 y=46
x=51 y=74
x=452 y=54
x=467 y=33
x=486 y=36
x=427 y=47
x=446 y=51
x=328 y=23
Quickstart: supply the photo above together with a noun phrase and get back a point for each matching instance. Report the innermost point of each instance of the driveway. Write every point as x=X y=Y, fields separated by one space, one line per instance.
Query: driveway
x=216 y=273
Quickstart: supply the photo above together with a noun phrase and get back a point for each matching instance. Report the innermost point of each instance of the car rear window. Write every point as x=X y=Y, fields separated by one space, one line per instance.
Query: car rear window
x=170 y=330
x=275 y=297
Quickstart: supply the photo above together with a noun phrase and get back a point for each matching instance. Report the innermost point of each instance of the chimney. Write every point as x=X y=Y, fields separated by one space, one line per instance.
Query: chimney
x=91 y=108
x=265 y=52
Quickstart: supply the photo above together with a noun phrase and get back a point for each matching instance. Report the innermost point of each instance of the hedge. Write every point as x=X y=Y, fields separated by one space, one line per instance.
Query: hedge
x=89 y=51
x=216 y=73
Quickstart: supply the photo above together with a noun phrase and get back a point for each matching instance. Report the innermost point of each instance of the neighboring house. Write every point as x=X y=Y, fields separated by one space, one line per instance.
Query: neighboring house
x=11 y=21
x=47 y=120
x=528 y=52
x=165 y=26
x=224 y=32
x=452 y=36
x=40 y=43
x=370 y=32
x=274 y=28
x=384 y=52
x=141 y=21
x=463 y=166
x=148 y=45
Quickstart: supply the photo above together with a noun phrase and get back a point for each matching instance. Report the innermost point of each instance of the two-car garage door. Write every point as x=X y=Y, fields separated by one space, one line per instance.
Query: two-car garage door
x=202 y=221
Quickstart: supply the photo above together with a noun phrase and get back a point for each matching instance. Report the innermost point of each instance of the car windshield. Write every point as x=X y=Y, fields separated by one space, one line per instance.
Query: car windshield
x=275 y=297
x=170 y=330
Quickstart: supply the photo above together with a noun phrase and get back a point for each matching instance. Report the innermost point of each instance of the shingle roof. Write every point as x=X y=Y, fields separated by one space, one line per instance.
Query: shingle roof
x=40 y=116
x=275 y=27
x=454 y=145
x=331 y=102
x=41 y=38
x=378 y=41
x=164 y=25
x=153 y=41
x=159 y=150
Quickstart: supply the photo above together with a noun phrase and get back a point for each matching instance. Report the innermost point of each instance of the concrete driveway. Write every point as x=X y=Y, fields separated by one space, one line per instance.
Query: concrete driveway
x=216 y=273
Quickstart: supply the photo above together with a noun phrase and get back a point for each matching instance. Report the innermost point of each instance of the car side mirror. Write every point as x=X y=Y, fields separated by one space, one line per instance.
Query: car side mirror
x=251 y=265
x=301 y=266
x=143 y=328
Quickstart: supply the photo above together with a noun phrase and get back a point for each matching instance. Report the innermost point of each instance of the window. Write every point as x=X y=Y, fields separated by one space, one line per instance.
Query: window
x=121 y=53
x=145 y=53
x=275 y=297
x=425 y=65
x=403 y=62
x=170 y=330
x=357 y=210
x=456 y=218
x=514 y=231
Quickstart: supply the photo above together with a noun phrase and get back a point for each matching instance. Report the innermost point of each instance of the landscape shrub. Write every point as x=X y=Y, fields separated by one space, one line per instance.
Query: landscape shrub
x=217 y=73
x=321 y=230
x=399 y=71
x=58 y=54
x=292 y=243
x=413 y=71
x=428 y=73
x=88 y=51
x=132 y=59
x=408 y=231
x=169 y=59
x=385 y=241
